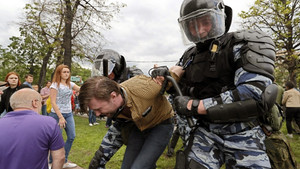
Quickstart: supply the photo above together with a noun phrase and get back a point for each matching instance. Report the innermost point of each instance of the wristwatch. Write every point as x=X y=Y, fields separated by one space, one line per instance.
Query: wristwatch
x=195 y=105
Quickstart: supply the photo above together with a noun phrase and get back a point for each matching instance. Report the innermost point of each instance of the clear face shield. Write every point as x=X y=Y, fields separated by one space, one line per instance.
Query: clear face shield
x=202 y=25
x=98 y=67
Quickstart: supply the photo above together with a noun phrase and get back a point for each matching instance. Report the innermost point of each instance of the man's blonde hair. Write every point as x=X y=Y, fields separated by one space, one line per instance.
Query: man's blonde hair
x=23 y=98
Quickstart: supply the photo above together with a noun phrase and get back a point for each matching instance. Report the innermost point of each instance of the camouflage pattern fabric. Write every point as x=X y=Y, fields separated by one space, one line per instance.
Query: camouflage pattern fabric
x=240 y=150
x=183 y=128
x=111 y=143
x=280 y=152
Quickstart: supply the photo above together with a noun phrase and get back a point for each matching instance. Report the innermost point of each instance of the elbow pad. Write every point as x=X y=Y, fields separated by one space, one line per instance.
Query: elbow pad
x=240 y=111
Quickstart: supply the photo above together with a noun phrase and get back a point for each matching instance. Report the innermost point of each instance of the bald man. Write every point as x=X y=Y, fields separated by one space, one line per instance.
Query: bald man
x=26 y=137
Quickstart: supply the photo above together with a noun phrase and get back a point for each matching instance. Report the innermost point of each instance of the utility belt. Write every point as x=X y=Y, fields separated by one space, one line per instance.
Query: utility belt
x=224 y=129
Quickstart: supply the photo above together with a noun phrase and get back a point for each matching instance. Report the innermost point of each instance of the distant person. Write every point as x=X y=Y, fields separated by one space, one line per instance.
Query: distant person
x=45 y=93
x=291 y=100
x=92 y=118
x=76 y=102
x=27 y=137
x=35 y=87
x=13 y=84
x=28 y=80
x=61 y=91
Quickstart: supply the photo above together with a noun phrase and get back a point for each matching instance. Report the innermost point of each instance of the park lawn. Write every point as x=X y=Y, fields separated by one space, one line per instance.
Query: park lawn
x=88 y=140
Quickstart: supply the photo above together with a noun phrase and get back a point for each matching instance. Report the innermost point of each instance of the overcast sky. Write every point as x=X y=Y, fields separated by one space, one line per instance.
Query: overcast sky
x=145 y=30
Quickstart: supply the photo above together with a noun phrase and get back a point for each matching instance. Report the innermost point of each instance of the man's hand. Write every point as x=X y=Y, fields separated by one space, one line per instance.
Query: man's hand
x=181 y=103
x=177 y=70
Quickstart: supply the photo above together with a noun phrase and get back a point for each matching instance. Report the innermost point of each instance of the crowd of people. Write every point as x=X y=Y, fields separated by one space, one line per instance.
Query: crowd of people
x=226 y=86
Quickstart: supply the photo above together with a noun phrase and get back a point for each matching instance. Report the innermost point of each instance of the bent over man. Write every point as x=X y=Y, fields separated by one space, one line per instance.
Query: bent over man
x=142 y=115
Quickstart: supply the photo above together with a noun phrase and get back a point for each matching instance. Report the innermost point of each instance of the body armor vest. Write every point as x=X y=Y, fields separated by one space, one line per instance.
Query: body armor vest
x=208 y=73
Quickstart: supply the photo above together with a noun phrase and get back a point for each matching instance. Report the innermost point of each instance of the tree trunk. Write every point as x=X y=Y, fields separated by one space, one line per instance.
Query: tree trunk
x=67 y=37
x=44 y=68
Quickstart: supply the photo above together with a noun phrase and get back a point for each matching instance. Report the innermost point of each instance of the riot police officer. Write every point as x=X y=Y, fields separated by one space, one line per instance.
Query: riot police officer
x=116 y=66
x=223 y=83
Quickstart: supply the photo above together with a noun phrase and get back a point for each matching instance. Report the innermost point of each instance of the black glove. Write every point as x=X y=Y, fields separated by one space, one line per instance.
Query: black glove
x=180 y=103
x=95 y=162
x=159 y=71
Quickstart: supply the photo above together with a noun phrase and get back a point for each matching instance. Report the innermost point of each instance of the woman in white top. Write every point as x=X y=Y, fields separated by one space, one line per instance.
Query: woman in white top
x=60 y=95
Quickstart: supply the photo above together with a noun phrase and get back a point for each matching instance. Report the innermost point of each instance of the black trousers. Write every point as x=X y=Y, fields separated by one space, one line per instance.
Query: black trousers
x=292 y=113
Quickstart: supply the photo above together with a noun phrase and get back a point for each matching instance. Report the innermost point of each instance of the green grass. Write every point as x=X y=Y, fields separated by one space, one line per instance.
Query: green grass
x=88 y=140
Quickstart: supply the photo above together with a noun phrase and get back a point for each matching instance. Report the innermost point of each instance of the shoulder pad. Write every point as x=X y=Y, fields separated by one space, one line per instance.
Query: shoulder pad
x=259 y=56
x=253 y=36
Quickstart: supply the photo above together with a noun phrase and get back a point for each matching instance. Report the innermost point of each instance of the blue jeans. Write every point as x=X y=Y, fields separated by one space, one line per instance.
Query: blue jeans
x=70 y=131
x=92 y=117
x=44 y=110
x=145 y=147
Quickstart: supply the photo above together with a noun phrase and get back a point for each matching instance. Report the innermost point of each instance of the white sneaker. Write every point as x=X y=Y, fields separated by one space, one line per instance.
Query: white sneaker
x=96 y=123
x=91 y=124
x=290 y=135
x=69 y=165
x=49 y=166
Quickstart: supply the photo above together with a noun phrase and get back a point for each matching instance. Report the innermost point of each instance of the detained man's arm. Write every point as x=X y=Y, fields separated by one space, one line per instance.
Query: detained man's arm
x=58 y=158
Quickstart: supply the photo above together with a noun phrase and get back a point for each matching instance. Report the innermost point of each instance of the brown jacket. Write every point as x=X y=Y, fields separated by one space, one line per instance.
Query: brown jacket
x=291 y=98
x=141 y=93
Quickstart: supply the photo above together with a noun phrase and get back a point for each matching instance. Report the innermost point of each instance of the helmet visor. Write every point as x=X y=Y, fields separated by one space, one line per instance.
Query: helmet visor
x=98 y=67
x=202 y=25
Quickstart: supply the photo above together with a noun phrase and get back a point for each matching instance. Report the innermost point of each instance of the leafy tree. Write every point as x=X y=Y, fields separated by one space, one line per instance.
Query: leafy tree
x=83 y=22
x=281 y=19
x=80 y=71
x=54 y=31
x=23 y=54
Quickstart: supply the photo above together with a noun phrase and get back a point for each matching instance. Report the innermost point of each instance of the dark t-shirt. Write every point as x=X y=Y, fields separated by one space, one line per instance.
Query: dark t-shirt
x=4 y=103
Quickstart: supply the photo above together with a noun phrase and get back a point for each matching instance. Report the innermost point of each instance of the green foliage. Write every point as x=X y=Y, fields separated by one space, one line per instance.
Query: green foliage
x=281 y=19
x=11 y=60
x=77 y=70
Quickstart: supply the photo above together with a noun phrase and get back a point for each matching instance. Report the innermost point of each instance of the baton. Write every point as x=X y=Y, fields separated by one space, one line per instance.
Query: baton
x=173 y=81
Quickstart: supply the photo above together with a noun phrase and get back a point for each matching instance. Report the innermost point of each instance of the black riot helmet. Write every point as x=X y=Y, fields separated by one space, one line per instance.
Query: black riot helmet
x=109 y=61
x=202 y=20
